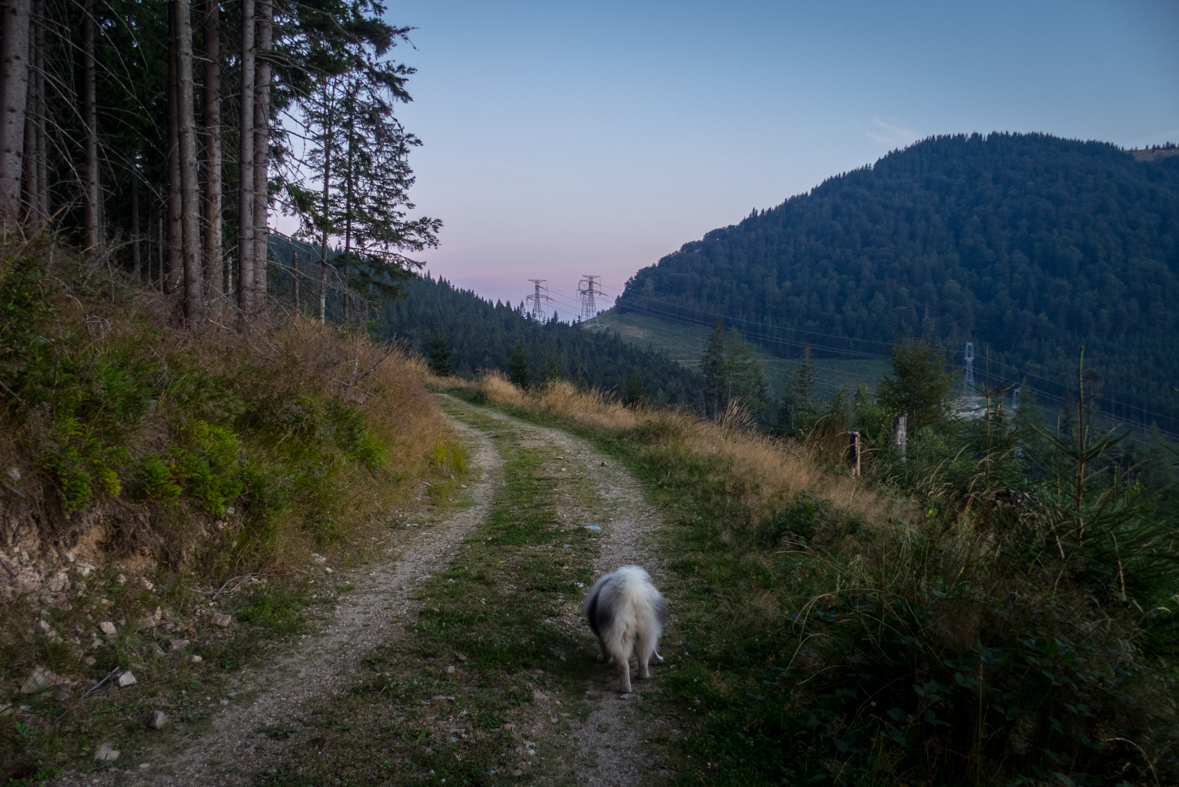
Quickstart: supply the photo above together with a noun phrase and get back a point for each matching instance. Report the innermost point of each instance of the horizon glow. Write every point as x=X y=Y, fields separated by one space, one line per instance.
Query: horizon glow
x=562 y=140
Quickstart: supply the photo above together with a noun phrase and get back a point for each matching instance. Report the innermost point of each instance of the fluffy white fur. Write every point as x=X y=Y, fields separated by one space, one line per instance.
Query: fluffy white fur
x=626 y=613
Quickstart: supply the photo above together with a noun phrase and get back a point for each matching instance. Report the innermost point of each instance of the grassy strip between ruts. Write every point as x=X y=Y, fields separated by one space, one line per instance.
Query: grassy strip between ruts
x=719 y=601
x=720 y=673
x=472 y=694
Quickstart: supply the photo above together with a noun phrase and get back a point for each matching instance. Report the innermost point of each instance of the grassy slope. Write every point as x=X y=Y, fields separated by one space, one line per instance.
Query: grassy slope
x=169 y=466
x=685 y=344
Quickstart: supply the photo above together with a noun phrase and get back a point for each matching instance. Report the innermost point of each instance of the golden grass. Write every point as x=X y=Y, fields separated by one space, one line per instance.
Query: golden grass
x=763 y=473
x=384 y=384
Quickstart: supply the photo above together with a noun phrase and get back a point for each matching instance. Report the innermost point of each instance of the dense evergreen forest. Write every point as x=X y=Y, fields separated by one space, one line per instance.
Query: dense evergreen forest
x=458 y=328
x=1026 y=244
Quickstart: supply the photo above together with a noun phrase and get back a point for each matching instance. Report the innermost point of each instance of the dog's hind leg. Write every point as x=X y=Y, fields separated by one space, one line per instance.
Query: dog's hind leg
x=624 y=671
x=644 y=650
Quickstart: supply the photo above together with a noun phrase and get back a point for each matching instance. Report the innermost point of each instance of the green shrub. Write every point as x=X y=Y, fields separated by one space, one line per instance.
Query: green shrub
x=796 y=523
x=73 y=482
x=157 y=481
x=207 y=466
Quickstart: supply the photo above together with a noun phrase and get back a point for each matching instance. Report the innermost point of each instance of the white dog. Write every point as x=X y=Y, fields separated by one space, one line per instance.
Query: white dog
x=625 y=612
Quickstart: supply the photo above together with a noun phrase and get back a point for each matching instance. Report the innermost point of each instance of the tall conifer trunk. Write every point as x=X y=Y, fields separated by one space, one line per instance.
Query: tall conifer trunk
x=245 y=233
x=41 y=147
x=174 y=275
x=14 y=77
x=28 y=179
x=213 y=252
x=136 y=258
x=190 y=206
x=91 y=190
x=265 y=12
x=329 y=97
x=349 y=180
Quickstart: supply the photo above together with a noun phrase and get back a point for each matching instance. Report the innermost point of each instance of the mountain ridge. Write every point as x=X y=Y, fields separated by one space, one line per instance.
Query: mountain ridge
x=1028 y=244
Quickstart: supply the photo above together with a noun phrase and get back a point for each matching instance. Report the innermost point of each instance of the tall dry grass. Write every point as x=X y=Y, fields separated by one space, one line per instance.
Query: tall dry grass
x=762 y=474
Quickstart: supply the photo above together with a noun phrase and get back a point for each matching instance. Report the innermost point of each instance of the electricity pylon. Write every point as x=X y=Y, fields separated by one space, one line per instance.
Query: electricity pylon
x=537 y=299
x=585 y=289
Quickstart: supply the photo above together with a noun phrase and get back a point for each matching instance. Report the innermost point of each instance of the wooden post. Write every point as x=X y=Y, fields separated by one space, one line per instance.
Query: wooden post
x=900 y=434
x=853 y=452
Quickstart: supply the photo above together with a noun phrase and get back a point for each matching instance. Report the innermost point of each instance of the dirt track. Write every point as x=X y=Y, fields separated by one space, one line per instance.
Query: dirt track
x=606 y=738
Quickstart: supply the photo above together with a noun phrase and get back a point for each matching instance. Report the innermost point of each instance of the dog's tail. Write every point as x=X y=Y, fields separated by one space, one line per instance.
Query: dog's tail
x=638 y=611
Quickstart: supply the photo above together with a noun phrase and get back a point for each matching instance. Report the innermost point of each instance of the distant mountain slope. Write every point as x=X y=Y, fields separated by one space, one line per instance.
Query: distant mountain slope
x=1030 y=244
x=685 y=344
x=482 y=335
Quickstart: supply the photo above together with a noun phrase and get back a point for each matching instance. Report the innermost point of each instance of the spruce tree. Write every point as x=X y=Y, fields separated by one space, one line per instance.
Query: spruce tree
x=636 y=392
x=800 y=409
x=438 y=356
x=919 y=385
x=518 y=371
x=712 y=369
x=745 y=378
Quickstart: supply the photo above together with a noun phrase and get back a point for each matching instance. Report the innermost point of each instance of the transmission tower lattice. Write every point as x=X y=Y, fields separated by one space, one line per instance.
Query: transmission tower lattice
x=968 y=380
x=537 y=299
x=586 y=289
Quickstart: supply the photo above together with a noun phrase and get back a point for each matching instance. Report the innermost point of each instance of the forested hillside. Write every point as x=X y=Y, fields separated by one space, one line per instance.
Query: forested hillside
x=473 y=334
x=1027 y=244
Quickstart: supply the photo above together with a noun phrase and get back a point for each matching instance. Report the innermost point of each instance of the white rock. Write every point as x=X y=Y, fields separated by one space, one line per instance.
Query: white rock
x=39 y=678
x=59 y=583
x=197 y=659
x=158 y=720
x=90 y=661
x=221 y=619
x=108 y=628
x=126 y=679
x=14 y=473
x=44 y=626
x=106 y=753
x=177 y=645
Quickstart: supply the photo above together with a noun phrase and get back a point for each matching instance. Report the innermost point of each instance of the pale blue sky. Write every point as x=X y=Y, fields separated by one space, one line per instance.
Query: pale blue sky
x=564 y=139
